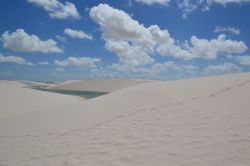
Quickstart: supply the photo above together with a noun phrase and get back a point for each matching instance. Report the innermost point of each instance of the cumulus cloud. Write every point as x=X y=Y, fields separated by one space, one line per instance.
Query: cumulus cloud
x=233 y=30
x=188 y=6
x=43 y=63
x=151 y=2
x=243 y=60
x=132 y=55
x=131 y=41
x=203 y=48
x=21 y=41
x=222 y=68
x=77 y=34
x=164 y=70
x=206 y=49
x=170 y=65
x=14 y=59
x=116 y=24
x=135 y=44
x=57 y=9
x=85 y=62
x=225 y=2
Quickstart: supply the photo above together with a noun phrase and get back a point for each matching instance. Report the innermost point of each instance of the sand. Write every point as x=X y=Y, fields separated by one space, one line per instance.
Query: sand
x=96 y=85
x=16 y=98
x=198 y=122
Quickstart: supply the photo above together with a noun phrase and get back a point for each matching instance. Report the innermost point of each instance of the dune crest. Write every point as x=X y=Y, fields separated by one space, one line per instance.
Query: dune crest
x=96 y=85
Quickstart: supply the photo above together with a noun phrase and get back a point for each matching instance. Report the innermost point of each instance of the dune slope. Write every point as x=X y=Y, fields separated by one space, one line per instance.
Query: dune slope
x=96 y=85
x=196 y=122
x=17 y=98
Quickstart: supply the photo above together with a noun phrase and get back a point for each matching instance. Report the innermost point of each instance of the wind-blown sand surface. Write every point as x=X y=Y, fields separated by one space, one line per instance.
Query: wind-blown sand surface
x=17 y=98
x=96 y=85
x=198 y=122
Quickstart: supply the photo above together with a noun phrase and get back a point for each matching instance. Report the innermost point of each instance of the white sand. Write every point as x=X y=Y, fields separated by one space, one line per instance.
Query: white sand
x=34 y=83
x=17 y=98
x=96 y=85
x=198 y=122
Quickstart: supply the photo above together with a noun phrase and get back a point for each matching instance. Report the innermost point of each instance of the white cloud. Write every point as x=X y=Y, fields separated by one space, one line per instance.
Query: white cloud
x=243 y=60
x=165 y=70
x=131 y=41
x=135 y=44
x=132 y=55
x=57 y=9
x=222 y=69
x=85 y=62
x=206 y=49
x=170 y=65
x=43 y=63
x=188 y=6
x=225 y=2
x=14 y=59
x=202 y=48
x=233 y=30
x=174 y=50
x=116 y=24
x=151 y=2
x=77 y=34
x=22 y=42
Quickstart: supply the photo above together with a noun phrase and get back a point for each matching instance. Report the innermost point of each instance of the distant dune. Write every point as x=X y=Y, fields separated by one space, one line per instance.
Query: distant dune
x=96 y=85
x=197 y=122
x=17 y=98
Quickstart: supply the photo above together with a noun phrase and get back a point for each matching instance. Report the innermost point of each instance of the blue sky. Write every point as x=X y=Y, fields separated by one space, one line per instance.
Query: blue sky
x=51 y=40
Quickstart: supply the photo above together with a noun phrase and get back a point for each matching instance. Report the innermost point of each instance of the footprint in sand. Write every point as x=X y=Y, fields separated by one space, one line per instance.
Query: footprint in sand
x=243 y=83
x=194 y=98
x=219 y=92
x=181 y=102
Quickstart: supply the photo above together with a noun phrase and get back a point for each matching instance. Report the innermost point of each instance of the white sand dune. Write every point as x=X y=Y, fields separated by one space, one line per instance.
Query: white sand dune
x=17 y=98
x=34 y=83
x=198 y=122
x=96 y=85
